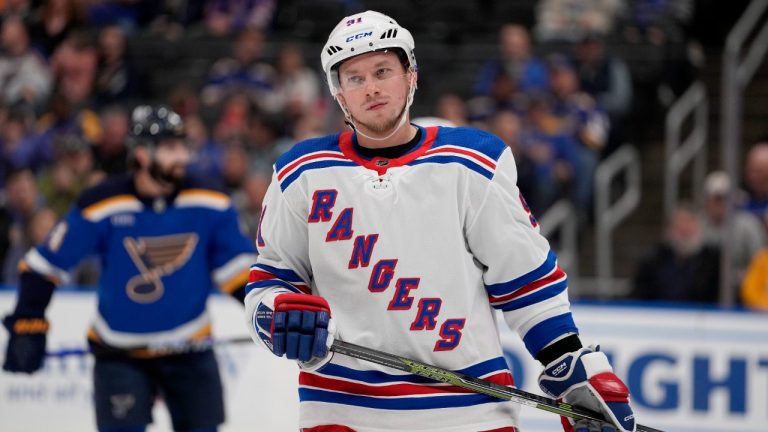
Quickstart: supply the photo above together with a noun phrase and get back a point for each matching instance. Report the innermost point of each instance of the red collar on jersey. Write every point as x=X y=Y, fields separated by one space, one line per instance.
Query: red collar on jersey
x=379 y=164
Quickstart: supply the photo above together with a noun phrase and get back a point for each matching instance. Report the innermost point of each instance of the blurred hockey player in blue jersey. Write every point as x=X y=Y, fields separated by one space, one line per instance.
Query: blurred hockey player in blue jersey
x=165 y=240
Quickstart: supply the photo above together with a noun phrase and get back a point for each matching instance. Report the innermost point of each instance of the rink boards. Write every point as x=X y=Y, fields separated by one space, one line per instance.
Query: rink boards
x=689 y=369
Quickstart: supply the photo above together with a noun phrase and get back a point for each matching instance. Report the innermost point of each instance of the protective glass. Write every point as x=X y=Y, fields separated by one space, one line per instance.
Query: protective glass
x=380 y=77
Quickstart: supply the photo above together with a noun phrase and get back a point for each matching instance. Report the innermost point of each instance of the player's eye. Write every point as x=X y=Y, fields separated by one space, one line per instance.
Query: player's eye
x=355 y=81
x=384 y=73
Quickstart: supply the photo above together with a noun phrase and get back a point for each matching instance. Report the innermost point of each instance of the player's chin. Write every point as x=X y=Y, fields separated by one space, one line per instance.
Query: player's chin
x=379 y=126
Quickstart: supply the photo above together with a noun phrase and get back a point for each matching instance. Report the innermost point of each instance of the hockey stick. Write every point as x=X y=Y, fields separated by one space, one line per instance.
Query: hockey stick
x=468 y=382
x=167 y=349
x=400 y=363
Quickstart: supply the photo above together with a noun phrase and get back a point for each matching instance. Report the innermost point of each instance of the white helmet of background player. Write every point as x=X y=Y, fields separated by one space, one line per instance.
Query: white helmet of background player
x=363 y=33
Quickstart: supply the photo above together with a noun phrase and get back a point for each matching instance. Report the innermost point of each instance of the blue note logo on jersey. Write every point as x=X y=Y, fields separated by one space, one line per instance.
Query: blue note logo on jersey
x=156 y=257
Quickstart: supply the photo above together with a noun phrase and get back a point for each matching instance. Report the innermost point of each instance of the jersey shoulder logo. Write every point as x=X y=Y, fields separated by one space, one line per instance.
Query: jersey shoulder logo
x=156 y=257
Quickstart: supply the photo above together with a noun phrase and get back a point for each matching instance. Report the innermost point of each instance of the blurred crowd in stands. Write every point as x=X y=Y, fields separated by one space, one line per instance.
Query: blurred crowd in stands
x=686 y=264
x=554 y=91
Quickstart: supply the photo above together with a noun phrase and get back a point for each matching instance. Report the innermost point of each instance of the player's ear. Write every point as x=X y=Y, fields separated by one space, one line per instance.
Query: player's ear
x=413 y=78
x=341 y=100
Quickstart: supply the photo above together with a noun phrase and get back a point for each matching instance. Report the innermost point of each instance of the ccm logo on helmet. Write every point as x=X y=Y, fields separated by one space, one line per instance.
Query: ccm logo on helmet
x=359 y=36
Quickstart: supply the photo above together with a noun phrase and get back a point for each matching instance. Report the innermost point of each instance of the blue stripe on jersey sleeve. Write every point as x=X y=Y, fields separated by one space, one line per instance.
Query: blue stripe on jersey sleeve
x=402 y=403
x=535 y=297
x=544 y=269
x=270 y=283
x=284 y=274
x=310 y=166
x=454 y=159
x=548 y=330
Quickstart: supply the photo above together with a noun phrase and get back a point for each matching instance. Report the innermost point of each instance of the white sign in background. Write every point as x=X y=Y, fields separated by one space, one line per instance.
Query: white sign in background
x=689 y=370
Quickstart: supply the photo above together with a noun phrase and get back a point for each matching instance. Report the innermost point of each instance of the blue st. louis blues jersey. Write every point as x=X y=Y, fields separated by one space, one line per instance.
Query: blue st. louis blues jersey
x=417 y=256
x=160 y=259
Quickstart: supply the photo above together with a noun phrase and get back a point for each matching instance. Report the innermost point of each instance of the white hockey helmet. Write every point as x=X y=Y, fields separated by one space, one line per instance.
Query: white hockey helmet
x=359 y=34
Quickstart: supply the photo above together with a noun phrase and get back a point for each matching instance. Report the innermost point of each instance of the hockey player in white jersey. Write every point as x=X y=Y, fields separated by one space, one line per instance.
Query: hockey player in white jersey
x=406 y=239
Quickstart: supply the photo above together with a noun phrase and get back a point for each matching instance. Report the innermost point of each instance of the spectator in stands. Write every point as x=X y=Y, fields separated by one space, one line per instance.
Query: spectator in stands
x=24 y=76
x=310 y=125
x=235 y=165
x=171 y=18
x=208 y=154
x=22 y=202
x=247 y=200
x=70 y=173
x=683 y=268
x=656 y=21
x=74 y=65
x=570 y=20
x=451 y=107
x=754 y=288
x=298 y=86
x=19 y=8
x=745 y=234
x=117 y=78
x=53 y=21
x=515 y=64
x=243 y=74
x=40 y=223
x=63 y=117
x=184 y=100
x=233 y=119
x=576 y=111
x=20 y=147
x=553 y=155
x=226 y=17
x=575 y=114
x=108 y=12
x=507 y=126
x=756 y=179
x=607 y=79
x=111 y=154
x=266 y=141
x=675 y=60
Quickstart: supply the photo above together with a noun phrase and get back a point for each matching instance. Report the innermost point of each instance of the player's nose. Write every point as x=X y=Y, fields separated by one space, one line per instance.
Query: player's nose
x=371 y=87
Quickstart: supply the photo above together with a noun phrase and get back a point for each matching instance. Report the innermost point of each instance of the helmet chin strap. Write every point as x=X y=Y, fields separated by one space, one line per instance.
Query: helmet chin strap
x=397 y=128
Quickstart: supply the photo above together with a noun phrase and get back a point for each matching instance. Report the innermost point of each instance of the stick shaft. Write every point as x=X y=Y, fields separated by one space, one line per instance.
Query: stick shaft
x=461 y=380
x=182 y=348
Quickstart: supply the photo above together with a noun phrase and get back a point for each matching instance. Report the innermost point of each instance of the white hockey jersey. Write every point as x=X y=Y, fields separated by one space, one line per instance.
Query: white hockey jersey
x=412 y=254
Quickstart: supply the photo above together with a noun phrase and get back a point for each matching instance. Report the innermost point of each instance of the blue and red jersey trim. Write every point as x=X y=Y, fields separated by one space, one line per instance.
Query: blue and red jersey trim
x=546 y=281
x=474 y=160
x=474 y=149
x=347 y=146
x=264 y=276
x=375 y=389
